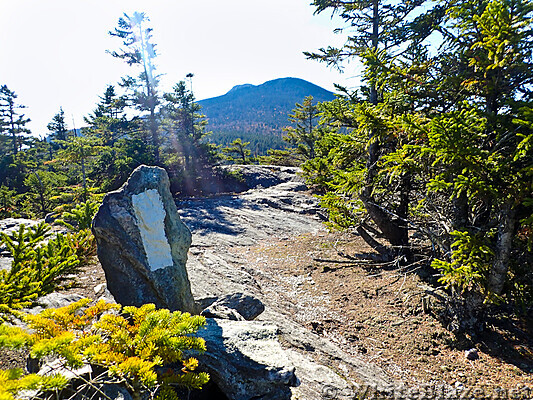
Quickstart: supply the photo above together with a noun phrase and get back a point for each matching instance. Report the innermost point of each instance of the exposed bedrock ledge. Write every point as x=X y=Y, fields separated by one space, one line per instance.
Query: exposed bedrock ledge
x=261 y=215
x=246 y=361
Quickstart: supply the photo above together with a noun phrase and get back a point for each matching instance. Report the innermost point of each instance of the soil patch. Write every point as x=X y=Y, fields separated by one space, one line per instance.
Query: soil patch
x=381 y=313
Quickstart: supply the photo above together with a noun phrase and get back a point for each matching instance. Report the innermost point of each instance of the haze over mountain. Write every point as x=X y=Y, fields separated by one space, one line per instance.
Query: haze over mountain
x=258 y=113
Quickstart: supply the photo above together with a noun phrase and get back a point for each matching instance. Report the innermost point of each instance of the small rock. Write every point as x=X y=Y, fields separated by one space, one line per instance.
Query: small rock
x=50 y=218
x=472 y=354
x=113 y=392
x=33 y=365
x=57 y=367
x=104 y=294
x=222 y=312
x=204 y=302
x=10 y=225
x=107 y=297
x=246 y=361
x=55 y=300
x=5 y=263
x=99 y=288
x=244 y=304
x=195 y=250
x=317 y=326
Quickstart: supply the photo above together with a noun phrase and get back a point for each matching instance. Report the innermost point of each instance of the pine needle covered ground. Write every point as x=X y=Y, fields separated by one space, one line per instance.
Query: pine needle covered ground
x=387 y=316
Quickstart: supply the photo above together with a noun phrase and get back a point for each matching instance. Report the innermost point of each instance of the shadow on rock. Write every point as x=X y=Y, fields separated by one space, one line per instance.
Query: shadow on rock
x=205 y=216
x=246 y=361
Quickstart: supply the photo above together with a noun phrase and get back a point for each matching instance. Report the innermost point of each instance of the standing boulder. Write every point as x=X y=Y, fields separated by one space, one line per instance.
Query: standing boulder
x=142 y=243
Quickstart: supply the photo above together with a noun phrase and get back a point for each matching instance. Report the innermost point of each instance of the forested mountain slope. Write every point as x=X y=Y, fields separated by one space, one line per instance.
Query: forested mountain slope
x=249 y=111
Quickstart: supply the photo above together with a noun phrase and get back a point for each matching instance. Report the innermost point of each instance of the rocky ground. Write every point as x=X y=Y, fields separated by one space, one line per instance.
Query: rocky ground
x=272 y=241
x=344 y=323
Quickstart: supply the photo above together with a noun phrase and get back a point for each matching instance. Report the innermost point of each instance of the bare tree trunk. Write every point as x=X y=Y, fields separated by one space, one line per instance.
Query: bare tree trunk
x=13 y=130
x=41 y=190
x=83 y=175
x=383 y=250
x=500 y=267
x=393 y=225
x=460 y=212
x=154 y=134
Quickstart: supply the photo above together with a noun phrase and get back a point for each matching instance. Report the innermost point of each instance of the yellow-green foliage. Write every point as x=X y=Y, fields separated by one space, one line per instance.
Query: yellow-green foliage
x=76 y=194
x=36 y=269
x=82 y=244
x=12 y=382
x=41 y=263
x=7 y=202
x=129 y=342
x=470 y=264
x=79 y=217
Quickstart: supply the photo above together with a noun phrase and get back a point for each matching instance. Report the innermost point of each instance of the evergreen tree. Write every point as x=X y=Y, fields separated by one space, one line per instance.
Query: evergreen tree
x=140 y=51
x=238 y=151
x=493 y=40
x=58 y=127
x=15 y=168
x=185 y=127
x=121 y=147
x=473 y=153
x=379 y=32
x=77 y=151
x=42 y=188
x=12 y=122
x=109 y=121
x=306 y=131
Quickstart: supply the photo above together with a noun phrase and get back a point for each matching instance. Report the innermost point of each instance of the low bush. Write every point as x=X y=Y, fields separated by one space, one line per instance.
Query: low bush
x=79 y=217
x=129 y=344
x=41 y=263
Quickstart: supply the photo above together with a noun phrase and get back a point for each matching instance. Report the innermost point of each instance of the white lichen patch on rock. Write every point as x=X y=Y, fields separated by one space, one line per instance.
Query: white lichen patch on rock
x=150 y=215
x=256 y=340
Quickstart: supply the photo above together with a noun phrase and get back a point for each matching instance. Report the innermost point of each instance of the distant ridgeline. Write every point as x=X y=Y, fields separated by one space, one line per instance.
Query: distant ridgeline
x=258 y=114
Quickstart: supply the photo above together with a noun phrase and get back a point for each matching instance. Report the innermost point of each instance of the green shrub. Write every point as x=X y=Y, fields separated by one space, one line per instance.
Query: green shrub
x=470 y=263
x=129 y=343
x=79 y=217
x=12 y=382
x=41 y=263
x=7 y=204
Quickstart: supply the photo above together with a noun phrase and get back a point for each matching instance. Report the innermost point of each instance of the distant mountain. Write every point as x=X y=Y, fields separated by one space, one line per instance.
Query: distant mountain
x=258 y=113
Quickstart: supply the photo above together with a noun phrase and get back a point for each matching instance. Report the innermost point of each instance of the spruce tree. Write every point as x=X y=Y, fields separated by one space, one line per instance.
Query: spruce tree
x=305 y=132
x=470 y=149
x=140 y=51
x=238 y=151
x=121 y=147
x=58 y=127
x=492 y=40
x=185 y=127
x=12 y=122
x=379 y=32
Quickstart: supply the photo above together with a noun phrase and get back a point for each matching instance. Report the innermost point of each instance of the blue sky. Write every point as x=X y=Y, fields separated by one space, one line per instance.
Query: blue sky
x=54 y=52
